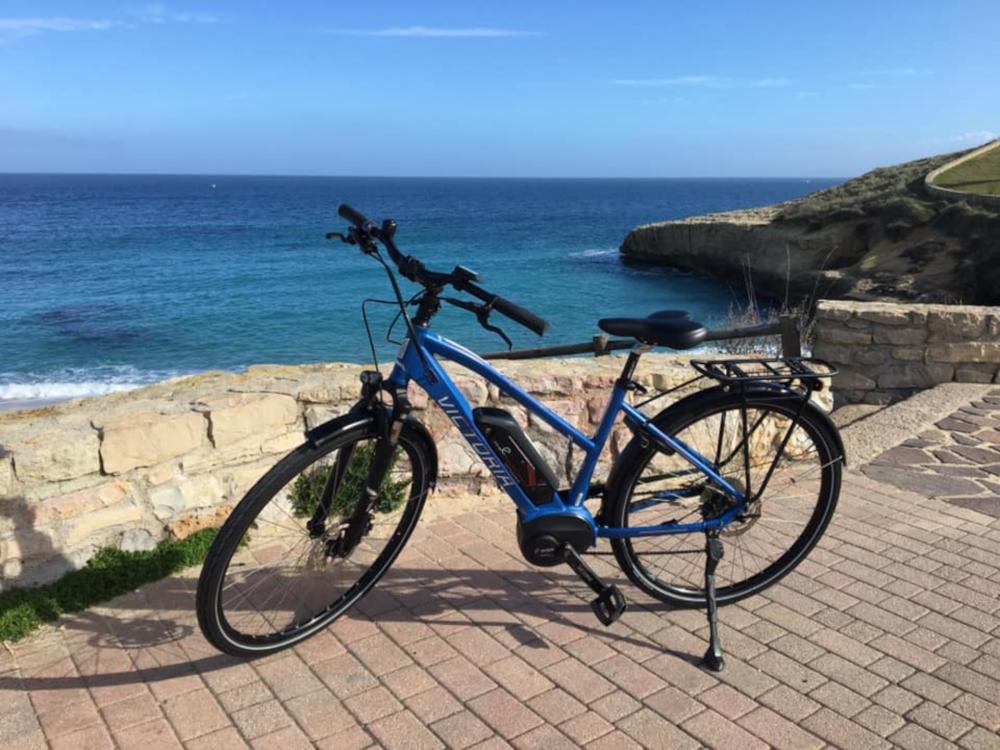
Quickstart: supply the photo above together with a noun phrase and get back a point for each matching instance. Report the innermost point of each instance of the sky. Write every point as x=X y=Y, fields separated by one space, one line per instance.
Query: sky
x=537 y=89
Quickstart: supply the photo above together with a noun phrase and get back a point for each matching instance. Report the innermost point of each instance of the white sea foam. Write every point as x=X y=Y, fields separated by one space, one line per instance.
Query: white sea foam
x=76 y=383
x=597 y=252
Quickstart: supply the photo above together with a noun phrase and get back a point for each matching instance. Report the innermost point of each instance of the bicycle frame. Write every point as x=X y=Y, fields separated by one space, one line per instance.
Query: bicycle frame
x=417 y=361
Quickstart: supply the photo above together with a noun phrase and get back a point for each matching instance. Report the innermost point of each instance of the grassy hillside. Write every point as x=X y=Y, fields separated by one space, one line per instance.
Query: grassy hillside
x=867 y=194
x=979 y=175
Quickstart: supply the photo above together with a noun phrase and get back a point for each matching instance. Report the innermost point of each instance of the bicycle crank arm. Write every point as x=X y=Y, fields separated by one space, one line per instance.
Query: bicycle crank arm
x=610 y=602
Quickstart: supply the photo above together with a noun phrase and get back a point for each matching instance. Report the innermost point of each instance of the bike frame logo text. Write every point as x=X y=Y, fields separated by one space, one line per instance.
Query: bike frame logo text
x=482 y=450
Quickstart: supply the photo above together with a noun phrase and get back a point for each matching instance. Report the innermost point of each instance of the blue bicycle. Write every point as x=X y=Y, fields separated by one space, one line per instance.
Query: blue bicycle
x=749 y=464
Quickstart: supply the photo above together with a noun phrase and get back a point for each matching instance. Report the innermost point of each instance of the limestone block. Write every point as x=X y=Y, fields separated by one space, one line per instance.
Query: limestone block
x=842 y=335
x=870 y=356
x=29 y=543
x=569 y=409
x=20 y=575
x=163 y=472
x=7 y=478
x=955 y=324
x=848 y=379
x=137 y=540
x=317 y=414
x=57 y=453
x=661 y=380
x=474 y=390
x=889 y=316
x=827 y=310
x=62 y=507
x=834 y=352
x=196 y=492
x=418 y=396
x=92 y=528
x=238 y=416
x=238 y=480
x=149 y=438
x=993 y=326
x=283 y=443
x=320 y=395
x=914 y=376
x=456 y=458
x=909 y=353
x=984 y=373
x=189 y=523
x=964 y=351
x=899 y=336
x=881 y=398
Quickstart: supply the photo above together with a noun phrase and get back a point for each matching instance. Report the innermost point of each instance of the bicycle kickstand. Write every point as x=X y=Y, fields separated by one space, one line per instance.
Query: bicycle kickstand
x=713 y=553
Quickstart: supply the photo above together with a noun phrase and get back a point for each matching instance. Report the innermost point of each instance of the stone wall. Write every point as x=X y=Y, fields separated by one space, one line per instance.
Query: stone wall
x=887 y=351
x=132 y=468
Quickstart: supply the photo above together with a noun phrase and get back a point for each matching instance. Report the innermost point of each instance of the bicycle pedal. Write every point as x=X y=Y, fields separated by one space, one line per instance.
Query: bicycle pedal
x=609 y=605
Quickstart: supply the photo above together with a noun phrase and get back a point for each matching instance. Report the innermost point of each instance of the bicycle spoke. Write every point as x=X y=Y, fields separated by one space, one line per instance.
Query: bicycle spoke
x=287 y=573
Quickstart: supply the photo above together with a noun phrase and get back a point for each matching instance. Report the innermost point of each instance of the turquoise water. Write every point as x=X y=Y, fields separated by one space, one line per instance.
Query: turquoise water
x=107 y=282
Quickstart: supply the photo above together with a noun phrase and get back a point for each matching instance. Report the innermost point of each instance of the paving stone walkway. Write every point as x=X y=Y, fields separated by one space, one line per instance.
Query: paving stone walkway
x=958 y=460
x=886 y=636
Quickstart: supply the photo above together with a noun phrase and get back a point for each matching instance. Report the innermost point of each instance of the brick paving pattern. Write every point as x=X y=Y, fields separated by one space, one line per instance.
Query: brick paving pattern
x=886 y=636
x=957 y=461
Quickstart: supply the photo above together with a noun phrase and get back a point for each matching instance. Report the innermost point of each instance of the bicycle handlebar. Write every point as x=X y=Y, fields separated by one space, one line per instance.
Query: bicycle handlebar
x=414 y=270
x=354 y=216
x=505 y=307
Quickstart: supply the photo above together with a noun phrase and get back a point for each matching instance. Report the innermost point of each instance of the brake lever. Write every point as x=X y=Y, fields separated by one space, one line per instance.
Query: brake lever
x=345 y=238
x=484 y=320
x=482 y=313
x=497 y=330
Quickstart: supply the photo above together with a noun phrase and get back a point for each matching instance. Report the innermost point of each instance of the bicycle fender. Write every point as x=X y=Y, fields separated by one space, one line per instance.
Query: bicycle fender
x=363 y=417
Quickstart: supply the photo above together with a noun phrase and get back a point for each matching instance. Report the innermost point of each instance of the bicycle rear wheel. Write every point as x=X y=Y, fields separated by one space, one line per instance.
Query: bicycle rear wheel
x=779 y=526
x=280 y=569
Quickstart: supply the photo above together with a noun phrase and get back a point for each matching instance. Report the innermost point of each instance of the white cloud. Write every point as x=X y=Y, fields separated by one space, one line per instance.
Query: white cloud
x=159 y=13
x=430 y=31
x=974 y=137
x=150 y=14
x=705 y=81
x=29 y=26
x=895 y=72
x=770 y=83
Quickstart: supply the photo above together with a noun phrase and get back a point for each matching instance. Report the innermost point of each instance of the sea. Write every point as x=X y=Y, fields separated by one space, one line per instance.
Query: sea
x=109 y=282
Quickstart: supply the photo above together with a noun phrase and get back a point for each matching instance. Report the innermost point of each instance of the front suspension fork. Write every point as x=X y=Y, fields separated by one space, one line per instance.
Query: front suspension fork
x=389 y=424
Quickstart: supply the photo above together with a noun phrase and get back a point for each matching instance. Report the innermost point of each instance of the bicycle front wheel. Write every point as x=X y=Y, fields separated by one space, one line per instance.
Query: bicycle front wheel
x=280 y=569
x=790 y=471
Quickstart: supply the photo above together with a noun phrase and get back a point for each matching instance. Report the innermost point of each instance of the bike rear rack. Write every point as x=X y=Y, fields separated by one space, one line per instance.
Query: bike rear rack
x=771 y=370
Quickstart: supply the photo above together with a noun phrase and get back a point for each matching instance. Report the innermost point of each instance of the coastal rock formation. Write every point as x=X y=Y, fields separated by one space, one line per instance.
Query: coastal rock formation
x=880 y=236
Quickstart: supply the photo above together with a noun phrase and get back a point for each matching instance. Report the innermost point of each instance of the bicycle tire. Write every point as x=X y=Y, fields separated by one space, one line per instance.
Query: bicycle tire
x=210 y=609
x=676 y=420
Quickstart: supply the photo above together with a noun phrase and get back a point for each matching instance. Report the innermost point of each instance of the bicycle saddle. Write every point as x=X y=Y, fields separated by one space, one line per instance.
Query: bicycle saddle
x=673 y=328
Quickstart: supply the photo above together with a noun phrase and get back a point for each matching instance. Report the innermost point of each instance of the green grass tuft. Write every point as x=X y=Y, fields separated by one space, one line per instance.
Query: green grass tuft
x=110 y=573
x=307 y=492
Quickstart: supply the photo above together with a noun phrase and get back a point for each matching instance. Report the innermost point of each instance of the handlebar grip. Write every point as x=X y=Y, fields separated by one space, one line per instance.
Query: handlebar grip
x=505 y=307
x=525 y=317
x=352 y=215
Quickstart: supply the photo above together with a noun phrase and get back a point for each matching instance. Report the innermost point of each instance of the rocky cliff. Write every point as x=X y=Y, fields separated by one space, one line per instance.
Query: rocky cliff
x=877 y=237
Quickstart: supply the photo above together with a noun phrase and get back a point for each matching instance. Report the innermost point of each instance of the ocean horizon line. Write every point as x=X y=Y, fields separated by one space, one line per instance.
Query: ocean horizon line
x=416 y=177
